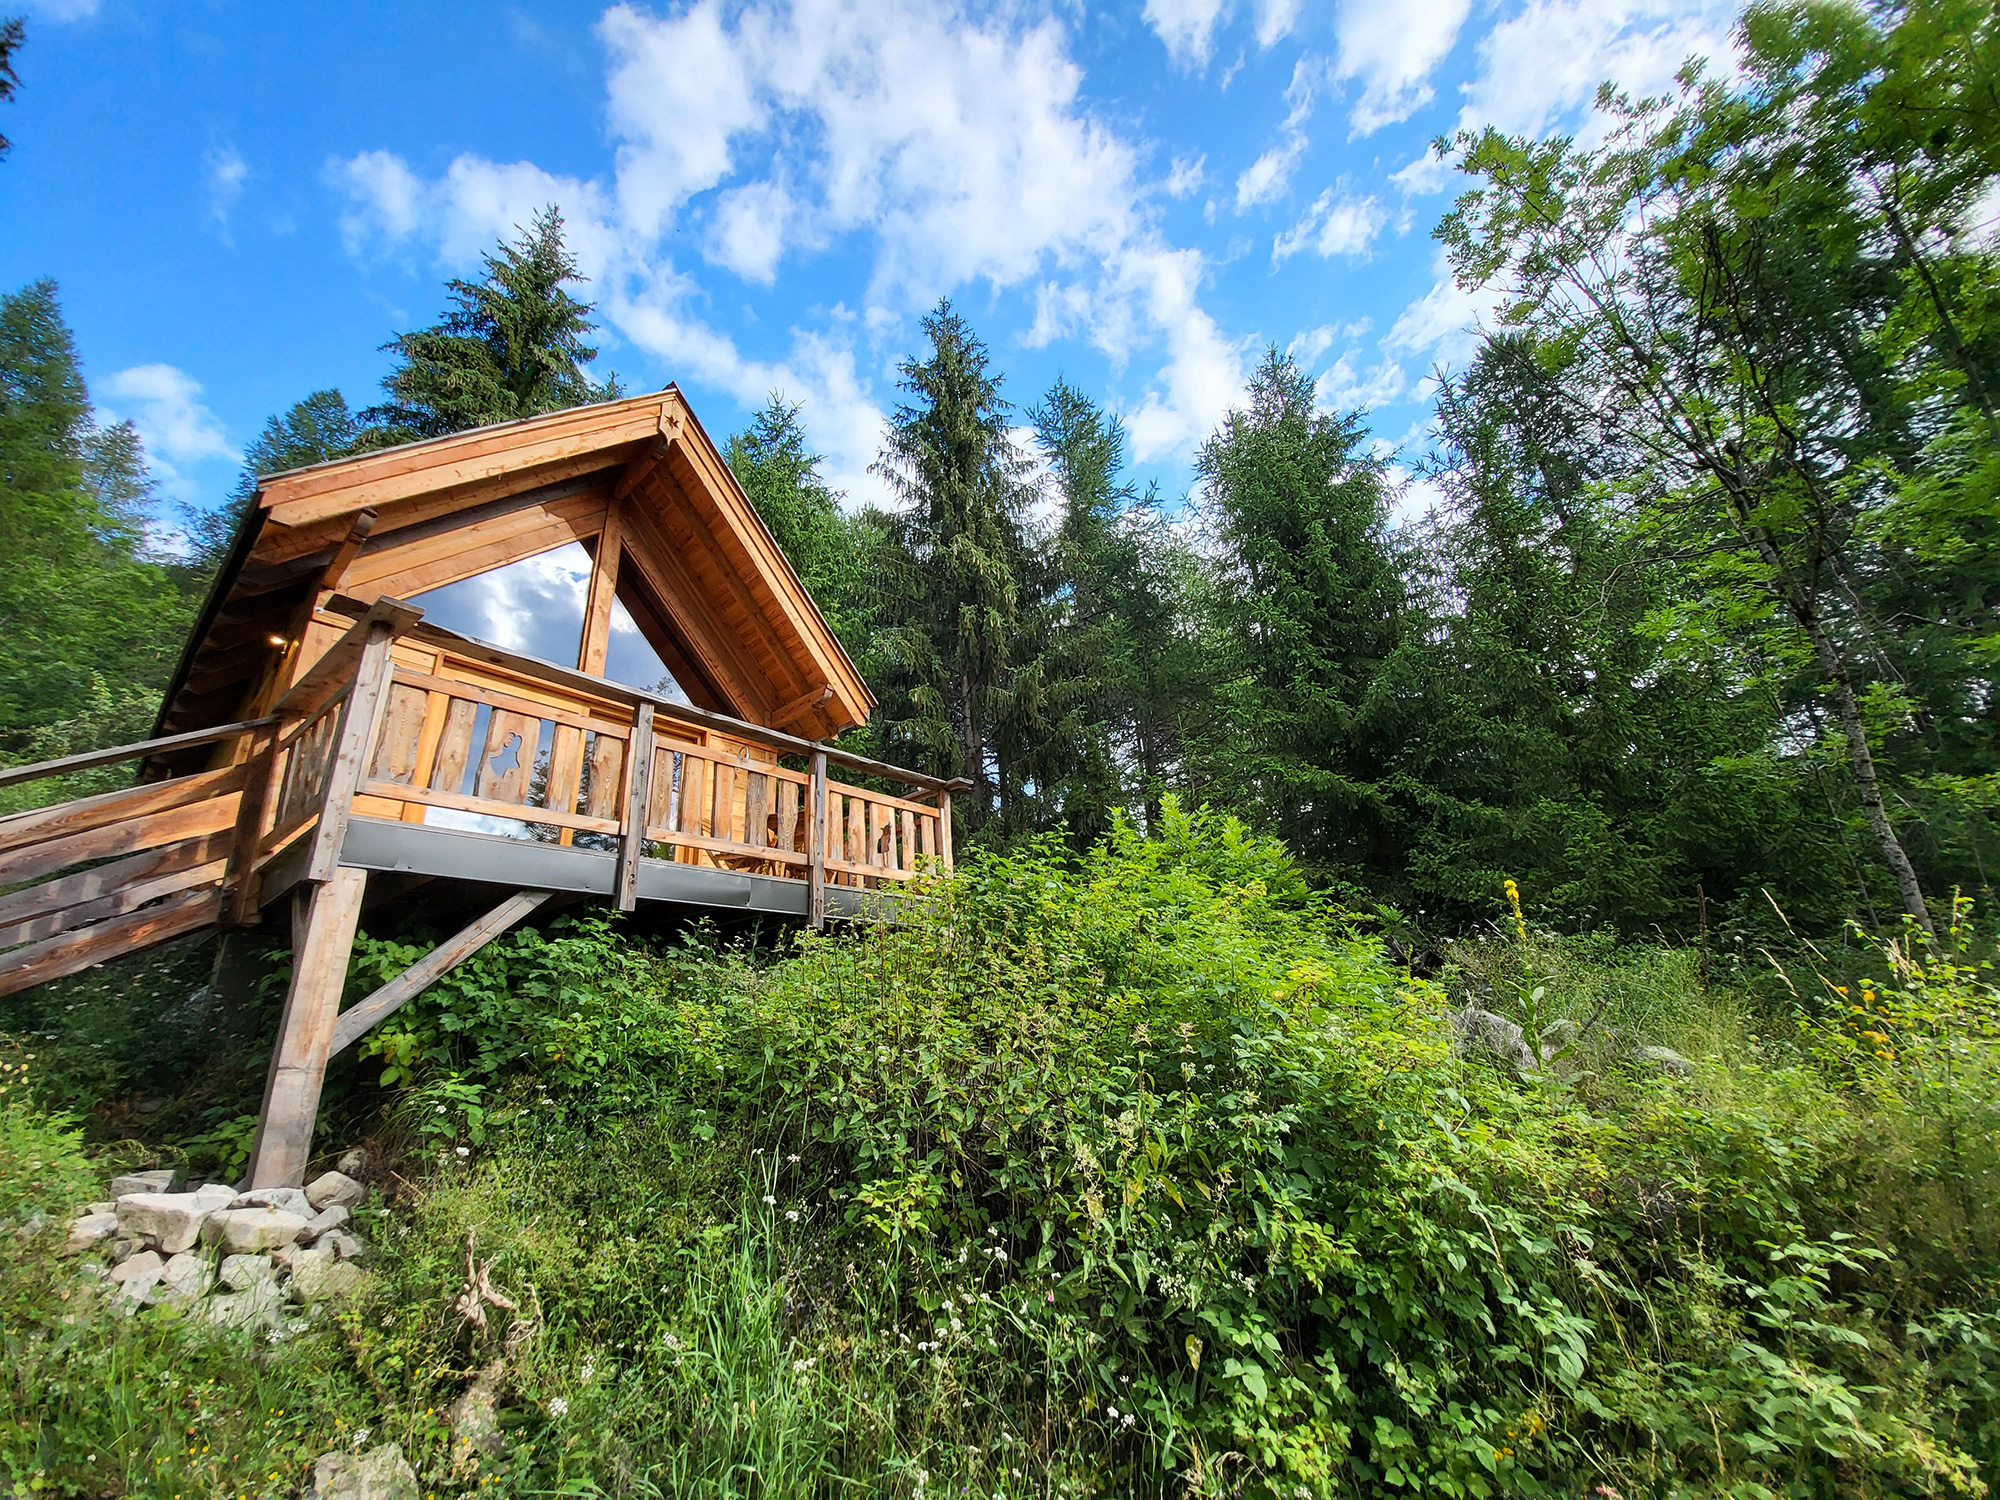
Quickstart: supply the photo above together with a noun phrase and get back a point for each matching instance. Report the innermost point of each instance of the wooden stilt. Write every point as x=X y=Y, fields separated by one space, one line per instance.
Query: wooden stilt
x=298 y=1065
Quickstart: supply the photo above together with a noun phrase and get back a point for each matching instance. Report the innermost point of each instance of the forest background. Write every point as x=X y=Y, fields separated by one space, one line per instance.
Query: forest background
x=1702 y=637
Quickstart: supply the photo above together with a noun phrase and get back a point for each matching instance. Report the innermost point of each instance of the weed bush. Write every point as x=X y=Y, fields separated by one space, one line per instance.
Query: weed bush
x=1148 y=1172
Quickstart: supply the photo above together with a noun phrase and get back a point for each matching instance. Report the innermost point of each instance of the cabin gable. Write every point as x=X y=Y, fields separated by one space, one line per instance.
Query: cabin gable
x=637 y=482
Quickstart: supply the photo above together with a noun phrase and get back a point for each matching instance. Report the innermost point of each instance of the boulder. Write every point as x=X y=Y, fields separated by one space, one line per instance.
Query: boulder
x=243 y=1231
x=161 y=1181
x=327 y=1220
x=291 y=1200
x=167 y=1221
x=88 y=1230
x=346 y=1246
x=104 y=1206
x=1664 y=1060
x=241 y=1272
x=136 y=1275
x=122 y=1247
x=187 y=1275
x=352 y=1163
x=335 y=1189
x=319 y=1274
x=379 y=1474
x=1495 y=1034
x=258 y=1305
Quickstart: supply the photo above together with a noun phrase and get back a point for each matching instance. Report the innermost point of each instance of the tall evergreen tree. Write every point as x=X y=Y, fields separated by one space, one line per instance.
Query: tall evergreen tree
x=12 y=33
x=93 y=626
x=511 y=345
x=1299 y=512
x=313 y=430
x=780 y=474
x=948 y=588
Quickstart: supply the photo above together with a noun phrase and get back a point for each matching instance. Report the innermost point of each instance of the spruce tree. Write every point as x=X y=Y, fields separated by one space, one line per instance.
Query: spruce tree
x=948 y=577
x=313 y=430
x=511 y=345
x=12 y=33
x=781 y=476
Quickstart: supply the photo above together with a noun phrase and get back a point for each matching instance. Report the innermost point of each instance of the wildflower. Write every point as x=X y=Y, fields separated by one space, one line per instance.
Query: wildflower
x=1127 y=1420
x=800 y=1366
x=792 y=1214
x=559 y=1408
x=769 y=1199
x=793 y=1157
x=464 y=1151
x=440 y=1109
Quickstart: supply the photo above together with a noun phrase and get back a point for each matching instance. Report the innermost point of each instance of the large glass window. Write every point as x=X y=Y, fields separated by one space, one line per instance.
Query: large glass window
x=534 y=606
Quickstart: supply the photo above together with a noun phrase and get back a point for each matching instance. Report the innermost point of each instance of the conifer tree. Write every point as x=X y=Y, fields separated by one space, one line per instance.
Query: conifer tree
x=512 y=345
x=313 y=430
x=781 y=476
x=949 y=576
x=12 y=33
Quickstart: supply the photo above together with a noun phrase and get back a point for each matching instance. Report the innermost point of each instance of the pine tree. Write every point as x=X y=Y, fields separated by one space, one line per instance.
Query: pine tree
x=781 y=476
x=314 y=430
x=1311 y=607
x=12 y=33
x=512 y=345
x=948 y=579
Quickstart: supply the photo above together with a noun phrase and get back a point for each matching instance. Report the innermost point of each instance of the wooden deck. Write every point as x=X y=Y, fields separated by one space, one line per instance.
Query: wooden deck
x=409 y=748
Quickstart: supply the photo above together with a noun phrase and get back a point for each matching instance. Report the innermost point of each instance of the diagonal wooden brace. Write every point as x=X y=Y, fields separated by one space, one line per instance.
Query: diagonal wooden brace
x=356 y=1020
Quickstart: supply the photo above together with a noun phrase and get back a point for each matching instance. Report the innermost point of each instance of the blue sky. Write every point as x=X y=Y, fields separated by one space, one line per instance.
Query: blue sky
x=242 y=202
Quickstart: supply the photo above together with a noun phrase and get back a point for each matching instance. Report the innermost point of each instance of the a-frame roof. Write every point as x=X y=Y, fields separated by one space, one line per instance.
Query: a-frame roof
x=700 y=567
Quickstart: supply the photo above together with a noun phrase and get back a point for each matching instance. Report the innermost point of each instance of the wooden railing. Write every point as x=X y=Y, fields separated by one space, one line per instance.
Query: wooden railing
x=469 y=735
x=406 y=721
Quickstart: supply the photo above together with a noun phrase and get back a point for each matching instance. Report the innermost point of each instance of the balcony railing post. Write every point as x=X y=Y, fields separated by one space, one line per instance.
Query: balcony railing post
x=254 y=814
x=944 y=831
x=638 y=800
x=816 y=843
x=354 y=747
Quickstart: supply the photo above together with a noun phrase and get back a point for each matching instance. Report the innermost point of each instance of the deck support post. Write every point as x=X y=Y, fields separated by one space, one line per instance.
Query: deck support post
x=944 y=831
x=638 y=800
x=283 y=1144
x=816 y=843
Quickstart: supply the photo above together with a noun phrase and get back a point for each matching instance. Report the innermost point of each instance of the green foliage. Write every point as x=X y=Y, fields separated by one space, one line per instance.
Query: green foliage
x=782 y=479
x=80 y=601
x=511 y=346
x=314 y=430
x=12 y=33
x=1154 y=1133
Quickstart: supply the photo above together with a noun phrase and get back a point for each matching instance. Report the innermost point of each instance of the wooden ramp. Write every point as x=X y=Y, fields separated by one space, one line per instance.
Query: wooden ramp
x=406 y=748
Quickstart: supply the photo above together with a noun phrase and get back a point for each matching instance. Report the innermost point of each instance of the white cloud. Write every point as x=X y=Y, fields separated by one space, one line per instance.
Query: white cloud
x=1346 y=387
x=1543 y=64
x=1414 y=496
x=1269 y=175
x=1337 y=223
x=224 y=172
x=1445 y=324
x=1185 y=175
x=1188 y=27
x=1391 y=48
x=951 y=151
x=1428 y=174
x=66 y=10
x=164 y=404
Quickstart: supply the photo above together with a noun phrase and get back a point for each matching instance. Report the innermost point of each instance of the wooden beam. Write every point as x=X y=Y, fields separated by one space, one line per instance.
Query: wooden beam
x=333 y=671
x=115 y=903
x=358 y=1019
x=73 y=951
x=816 y=843
x=14 y=775
x=638 y=796
x=283 y=1143
x=596 y=640
x=124 y=836
x=349 y=549
x=101 y=880
x=634 y=473
x=354 y=748
x=460 y=552
x=800 y=706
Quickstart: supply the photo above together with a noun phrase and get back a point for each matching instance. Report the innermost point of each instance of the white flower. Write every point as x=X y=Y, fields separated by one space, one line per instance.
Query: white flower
x=590 y=1369
x=1112 y=1412
x=440 y=1109
x=1129 y=1419
x=464 y=1151
x=769 y=1199
x=800 y=1366
x=792 y=1214
x=793 y=1157
x=559 y=1407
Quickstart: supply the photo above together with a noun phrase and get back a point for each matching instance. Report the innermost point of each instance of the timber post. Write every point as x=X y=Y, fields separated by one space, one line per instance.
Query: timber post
x=283 y=1144
x=354 y=746
x=816 y=843
x=638 y=802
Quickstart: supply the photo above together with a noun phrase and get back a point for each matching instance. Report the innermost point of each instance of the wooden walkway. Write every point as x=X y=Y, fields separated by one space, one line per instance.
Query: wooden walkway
x=412 y=749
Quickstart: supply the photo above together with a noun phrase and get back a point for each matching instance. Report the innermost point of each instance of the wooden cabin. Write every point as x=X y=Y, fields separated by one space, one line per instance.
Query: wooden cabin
x=327 y=724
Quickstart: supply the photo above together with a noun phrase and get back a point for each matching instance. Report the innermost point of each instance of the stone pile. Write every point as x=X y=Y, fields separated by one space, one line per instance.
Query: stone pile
x=233 y=1257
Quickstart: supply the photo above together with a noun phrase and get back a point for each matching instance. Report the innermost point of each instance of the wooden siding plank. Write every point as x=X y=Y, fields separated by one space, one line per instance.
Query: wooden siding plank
x=43 y=824
x=402 y=728
x=112 y=904
x=89 y=885
x=73 y=951
x=454 y=749
x=127 y=836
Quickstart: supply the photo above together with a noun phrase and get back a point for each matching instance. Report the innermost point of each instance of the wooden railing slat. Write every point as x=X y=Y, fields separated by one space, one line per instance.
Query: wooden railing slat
x=86 y=760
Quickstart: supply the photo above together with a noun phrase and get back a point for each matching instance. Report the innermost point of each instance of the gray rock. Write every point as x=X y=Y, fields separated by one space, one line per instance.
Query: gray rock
x=241 y=1272
x=346 y=1246
x=161 y=1181
x=122 y=1247
x=32 y=1226
x=167 y=1221
x=327 y=1220
x=88 y=1230
x=1495 y=1034
x=243 y=1231
x=105 y=1206
x=319 y=1274
x=335 y=1189
x=137 y=1275
x=379 y=1474
x=352 y=1163
x=187 y=1275
x=1665 y=1060
x=260 y=1305
x=291 y=1200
